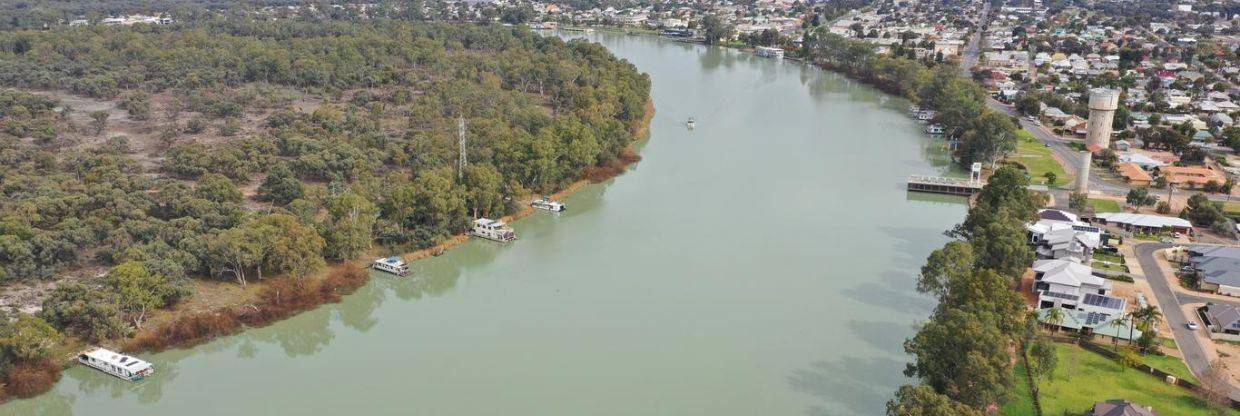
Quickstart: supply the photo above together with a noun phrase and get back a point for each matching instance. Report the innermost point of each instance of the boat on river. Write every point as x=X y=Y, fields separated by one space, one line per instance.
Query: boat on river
x=691 y=123
x=116 y=364
x=494 y=230
x=546 y=203
x=394 y=265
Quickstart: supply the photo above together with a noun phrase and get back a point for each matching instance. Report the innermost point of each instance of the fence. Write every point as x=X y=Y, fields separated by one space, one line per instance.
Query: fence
x=1162 y=375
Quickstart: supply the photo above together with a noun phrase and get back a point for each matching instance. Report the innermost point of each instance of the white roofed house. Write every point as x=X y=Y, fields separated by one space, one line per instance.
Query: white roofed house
x=1064 y=283
x=1084 y=300
x=1059 y=235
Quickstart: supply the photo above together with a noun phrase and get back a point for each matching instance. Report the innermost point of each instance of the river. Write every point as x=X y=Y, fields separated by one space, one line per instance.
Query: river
x=762 y=263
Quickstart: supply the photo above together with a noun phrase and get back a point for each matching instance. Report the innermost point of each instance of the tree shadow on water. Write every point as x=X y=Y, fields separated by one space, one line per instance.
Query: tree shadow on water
x=891 y=291
x=849 y=385
x=883 y=336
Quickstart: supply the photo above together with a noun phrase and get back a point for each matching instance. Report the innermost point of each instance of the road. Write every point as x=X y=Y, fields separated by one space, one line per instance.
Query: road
x=1068 y=157
x=1071 y=159
x=1191 y=345
x=968 y=58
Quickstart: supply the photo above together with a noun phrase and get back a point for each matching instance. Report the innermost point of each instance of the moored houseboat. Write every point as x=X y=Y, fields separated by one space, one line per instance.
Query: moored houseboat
x=117 y=364
x=394 y=265
x=495 y=230
x=548 y=204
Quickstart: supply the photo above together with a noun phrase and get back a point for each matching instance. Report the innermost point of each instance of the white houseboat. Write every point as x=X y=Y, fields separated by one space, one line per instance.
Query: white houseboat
x=769 y=52
x=493 y=230
x=934 y=129
x=117 y=364
x=394 y=265
x=548 y=204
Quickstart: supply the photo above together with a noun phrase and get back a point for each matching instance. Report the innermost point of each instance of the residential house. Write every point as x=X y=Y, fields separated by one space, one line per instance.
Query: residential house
x=1145 y=223
x=1119 y=407
x=1191 y=176
x=1133 y=174
x=1060 y=235
x=1064 y=283
x=1217 y=268
x=1223 y=321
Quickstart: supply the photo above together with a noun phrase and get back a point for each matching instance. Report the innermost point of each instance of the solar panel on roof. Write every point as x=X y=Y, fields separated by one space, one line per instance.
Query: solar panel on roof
x=1094 y=318
x=1103 y=301
x=1060 y=295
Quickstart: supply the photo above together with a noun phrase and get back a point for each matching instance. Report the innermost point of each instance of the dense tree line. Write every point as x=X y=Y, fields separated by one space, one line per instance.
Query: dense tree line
x=964 y=352
x=985 y=135
x=373 y=159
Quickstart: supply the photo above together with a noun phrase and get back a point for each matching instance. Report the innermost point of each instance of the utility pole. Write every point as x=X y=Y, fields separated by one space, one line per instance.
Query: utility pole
x=464 y=159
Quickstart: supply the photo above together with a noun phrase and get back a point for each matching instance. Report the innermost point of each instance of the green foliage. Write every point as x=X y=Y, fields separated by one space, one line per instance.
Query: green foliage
x=962 y=352
x=1202 y=212
x=1140 y=197
x=87 y=313
x=1078 y=201
x=99 y=120
x=280 y=187
x=138 y=105
x=1042 y=357
x=714 y=29
x=921 y=400
x=217 y=188
x=351 y=226
x=27 y=338
x=138 y=290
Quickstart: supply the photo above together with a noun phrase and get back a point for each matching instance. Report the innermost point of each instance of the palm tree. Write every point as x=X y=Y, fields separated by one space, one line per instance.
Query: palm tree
x=1117 y=324
x=1054 y=317
x=1147 y=316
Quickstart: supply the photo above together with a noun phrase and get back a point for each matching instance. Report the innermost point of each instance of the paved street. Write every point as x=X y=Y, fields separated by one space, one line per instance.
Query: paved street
x=1191 y=343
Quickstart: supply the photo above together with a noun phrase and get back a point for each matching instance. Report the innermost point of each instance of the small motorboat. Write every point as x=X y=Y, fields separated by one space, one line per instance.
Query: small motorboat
x=691 y=123
x=547 y=204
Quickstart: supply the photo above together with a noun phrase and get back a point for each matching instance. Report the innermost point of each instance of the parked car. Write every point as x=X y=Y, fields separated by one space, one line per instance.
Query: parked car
x=1192 y=326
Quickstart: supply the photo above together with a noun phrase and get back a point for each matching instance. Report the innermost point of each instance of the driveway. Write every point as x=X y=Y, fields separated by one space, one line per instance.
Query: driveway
x=1194 y=346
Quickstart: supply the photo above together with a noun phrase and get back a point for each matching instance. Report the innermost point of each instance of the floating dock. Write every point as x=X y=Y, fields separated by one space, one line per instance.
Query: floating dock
x=942 y=185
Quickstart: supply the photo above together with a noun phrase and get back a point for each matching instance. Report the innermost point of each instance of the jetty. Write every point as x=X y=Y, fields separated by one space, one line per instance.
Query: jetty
x=943 y=185
x=951 y=186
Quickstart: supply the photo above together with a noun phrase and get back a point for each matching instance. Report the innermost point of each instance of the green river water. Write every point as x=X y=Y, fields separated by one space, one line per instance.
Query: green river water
x=761 y=264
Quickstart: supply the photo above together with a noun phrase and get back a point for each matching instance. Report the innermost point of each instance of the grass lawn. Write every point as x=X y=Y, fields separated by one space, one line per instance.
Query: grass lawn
x=1104 y=205
x=1116 y=262
x=1037 y=160
x=1020 y=402
x=1083 y=378
x=1170 y=364
x=1231 y=208
x=1111 y=257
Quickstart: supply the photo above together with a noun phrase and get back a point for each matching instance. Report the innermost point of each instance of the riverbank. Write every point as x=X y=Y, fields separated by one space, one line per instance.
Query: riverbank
x=219 y=309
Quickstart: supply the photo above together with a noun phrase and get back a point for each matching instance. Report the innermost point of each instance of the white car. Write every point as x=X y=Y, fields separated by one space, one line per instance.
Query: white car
x=1192 y=326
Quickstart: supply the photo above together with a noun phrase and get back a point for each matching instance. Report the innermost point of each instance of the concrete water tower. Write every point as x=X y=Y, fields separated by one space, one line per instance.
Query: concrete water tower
x=1102 y=105
x=1082 y=174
